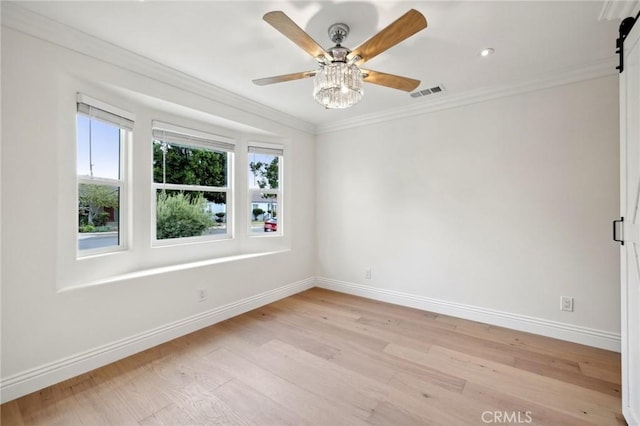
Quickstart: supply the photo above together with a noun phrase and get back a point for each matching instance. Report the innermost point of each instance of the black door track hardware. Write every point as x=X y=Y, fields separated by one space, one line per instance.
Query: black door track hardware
x=623 y=31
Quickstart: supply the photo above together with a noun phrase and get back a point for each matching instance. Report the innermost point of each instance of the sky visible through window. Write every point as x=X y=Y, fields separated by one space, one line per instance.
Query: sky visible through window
x=255 y=158
x=98 y=151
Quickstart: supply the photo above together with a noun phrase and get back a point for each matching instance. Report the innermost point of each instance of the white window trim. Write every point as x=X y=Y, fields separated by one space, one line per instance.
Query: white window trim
x=279 y=192
x=200 y=141
x=122 y=183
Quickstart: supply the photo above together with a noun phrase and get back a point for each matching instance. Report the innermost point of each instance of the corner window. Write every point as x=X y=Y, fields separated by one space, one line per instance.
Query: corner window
x=102 y=133
x=191 y=185
x=265 y=189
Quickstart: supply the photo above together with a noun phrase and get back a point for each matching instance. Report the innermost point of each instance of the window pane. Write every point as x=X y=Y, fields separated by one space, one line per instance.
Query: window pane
x=263 y=171
x=183 y=165
x=182 y=214
x=264 y=212
x=98 y=150
x=98 y=216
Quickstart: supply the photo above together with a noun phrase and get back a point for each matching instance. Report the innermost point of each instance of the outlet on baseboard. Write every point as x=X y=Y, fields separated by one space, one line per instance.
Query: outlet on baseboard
x=566 y=303
x=367 y=274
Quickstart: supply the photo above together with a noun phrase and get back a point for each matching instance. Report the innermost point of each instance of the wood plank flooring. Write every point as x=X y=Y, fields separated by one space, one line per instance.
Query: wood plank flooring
x=325 y=358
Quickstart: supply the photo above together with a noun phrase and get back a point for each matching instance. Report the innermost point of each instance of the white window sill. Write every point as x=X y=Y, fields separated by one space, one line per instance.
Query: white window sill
x=171 y=268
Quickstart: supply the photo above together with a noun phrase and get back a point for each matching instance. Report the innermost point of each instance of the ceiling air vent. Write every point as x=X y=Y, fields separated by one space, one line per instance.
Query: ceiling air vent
x=436 y=89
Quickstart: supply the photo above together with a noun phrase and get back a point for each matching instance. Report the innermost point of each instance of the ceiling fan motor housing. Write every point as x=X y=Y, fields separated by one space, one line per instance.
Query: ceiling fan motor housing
x=339 y=53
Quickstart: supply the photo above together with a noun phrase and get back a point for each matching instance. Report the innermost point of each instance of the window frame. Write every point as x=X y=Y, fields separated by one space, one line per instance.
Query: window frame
x=135 y=256
x=280 y=151
x=197 y=139
x=94 y=109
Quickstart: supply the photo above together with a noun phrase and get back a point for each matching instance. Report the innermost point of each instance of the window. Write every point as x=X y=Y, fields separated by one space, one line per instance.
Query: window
x=170 y=200
x=102 y=133
x=265 y=178
x=191 y=181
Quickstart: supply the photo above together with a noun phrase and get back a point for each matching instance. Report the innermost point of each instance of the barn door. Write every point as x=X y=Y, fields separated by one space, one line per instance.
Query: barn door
x=630 y=226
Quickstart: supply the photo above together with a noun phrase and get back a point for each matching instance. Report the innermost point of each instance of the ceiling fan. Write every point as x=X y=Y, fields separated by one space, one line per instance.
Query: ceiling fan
x=338 y=80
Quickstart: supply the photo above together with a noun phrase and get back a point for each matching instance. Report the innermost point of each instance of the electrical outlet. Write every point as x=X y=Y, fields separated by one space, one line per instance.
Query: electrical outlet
x=202 y=294
x=566 y=303
x=367 y=274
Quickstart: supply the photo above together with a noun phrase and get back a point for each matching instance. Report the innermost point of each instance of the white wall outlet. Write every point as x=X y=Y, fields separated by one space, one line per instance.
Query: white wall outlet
x=202 y=294
x=367 y=274
x=566 y=303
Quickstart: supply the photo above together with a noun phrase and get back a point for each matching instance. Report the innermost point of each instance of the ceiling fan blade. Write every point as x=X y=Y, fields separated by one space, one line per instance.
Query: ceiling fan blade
x=390 y=80
x=399 y=30
x=283 y=78
x=281 y=22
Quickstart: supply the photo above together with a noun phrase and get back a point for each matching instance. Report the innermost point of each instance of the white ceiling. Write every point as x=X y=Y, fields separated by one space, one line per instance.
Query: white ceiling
x=227 y=44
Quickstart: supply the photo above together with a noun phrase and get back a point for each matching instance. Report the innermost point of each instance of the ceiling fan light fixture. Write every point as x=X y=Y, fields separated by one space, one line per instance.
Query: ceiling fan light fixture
x=338 y=85
x=338 y=81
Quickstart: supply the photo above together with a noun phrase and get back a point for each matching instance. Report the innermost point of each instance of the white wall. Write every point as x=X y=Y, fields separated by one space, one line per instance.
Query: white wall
x=47 y=334
x=500 y=207
x=490 y=211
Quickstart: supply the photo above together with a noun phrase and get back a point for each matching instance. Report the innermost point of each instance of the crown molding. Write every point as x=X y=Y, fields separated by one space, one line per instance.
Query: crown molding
x=41 y=27
x=25 y=21
x=618 y=9
x=445 y=101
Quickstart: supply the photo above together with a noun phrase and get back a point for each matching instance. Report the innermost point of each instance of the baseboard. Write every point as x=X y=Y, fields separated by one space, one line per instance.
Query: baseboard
x=630 y=415
x=573 y=333
x=40 y=377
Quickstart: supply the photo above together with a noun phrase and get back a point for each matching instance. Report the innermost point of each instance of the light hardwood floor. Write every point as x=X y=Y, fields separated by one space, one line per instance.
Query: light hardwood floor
x=325 y=358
